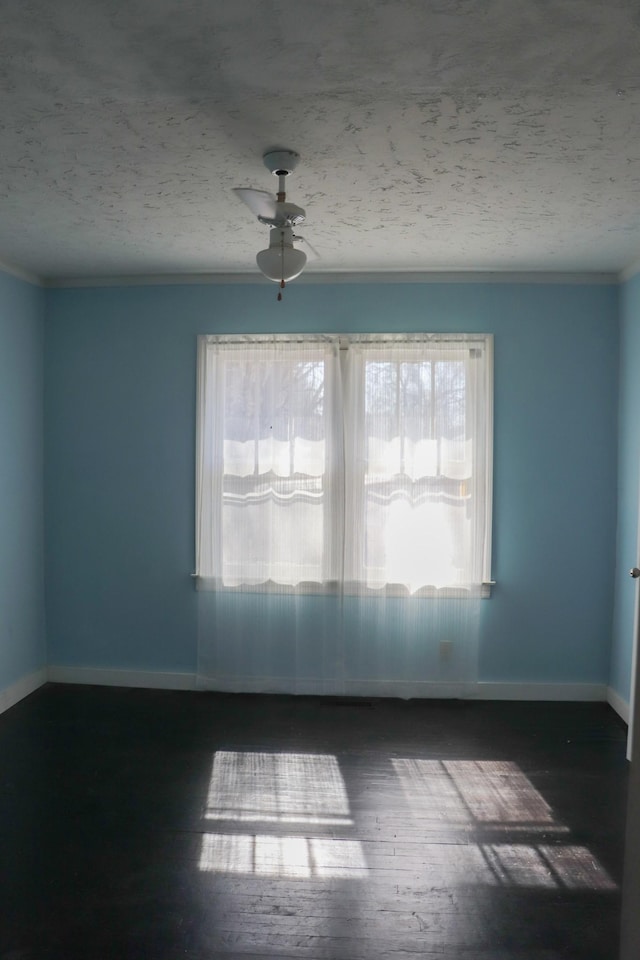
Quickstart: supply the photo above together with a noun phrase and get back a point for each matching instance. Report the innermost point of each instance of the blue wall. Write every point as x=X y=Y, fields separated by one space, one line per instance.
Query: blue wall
x=22 y=633
x=628 y=486
x=119 y=451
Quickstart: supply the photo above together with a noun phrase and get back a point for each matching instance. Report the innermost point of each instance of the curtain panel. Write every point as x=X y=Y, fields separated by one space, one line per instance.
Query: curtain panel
x=270 y=463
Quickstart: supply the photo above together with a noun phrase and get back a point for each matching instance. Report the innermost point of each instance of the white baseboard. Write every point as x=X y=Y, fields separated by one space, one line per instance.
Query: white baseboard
x=592 y=692
x=21 y=689
x=405 y=690
x=149 y=679
x=619 y=704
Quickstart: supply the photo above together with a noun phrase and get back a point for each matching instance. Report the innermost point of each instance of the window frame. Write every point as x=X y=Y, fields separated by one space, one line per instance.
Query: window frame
x=482 y=343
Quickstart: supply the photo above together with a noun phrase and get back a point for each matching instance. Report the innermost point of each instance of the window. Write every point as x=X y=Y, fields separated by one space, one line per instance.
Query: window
x=355 y=462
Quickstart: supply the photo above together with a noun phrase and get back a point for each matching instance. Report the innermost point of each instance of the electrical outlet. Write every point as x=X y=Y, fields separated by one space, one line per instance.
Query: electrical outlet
x=446 y=649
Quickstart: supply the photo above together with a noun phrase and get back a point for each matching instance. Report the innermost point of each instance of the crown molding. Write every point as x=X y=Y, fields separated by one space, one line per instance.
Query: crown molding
x=335 y=277
x=629 y=271
x=21 y=274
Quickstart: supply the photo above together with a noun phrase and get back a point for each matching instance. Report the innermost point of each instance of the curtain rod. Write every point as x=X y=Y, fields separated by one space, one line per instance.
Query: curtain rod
x=347 y=338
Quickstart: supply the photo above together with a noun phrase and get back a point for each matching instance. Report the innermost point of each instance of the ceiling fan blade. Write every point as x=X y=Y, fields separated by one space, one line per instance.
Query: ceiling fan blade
x=261 y=203
x=314 y=253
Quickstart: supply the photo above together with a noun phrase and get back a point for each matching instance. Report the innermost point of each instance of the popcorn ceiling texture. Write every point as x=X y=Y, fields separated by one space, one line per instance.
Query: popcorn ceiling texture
x=442 y=135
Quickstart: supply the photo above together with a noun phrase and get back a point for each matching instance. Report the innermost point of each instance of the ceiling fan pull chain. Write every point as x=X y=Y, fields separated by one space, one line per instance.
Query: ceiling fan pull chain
x=281 y=261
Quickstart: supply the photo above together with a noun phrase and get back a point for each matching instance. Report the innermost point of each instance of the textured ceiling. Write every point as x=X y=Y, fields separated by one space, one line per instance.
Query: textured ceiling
x=435 y=135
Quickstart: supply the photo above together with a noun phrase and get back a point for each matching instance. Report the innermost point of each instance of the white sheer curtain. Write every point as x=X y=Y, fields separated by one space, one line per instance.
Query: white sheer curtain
x=417 y=415
x=269 y=514
x=270 y=462
x=357 y=469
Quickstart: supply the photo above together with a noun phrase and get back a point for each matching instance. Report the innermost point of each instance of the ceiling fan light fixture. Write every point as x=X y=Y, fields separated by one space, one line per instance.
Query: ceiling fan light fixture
x=281 y=262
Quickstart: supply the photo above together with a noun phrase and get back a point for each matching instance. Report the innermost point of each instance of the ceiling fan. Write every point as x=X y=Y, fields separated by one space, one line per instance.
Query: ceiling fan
x=280 y=261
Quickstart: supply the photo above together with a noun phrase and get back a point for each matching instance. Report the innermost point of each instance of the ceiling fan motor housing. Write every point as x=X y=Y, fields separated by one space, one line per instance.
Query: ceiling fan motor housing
x=281 y=162
x=290 y=214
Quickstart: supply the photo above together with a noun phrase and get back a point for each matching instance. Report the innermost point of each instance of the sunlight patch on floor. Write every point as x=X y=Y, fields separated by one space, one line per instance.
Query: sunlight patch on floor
x=277 y=788
x=287 y=857
x=472 y=791
x=290 y=788
x=495 y=799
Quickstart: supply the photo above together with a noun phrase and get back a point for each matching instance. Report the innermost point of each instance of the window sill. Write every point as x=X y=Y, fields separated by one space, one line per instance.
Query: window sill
x=481 y=591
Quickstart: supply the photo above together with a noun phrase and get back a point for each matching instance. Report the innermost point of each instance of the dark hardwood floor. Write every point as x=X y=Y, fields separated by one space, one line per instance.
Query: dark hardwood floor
x=161 y=825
